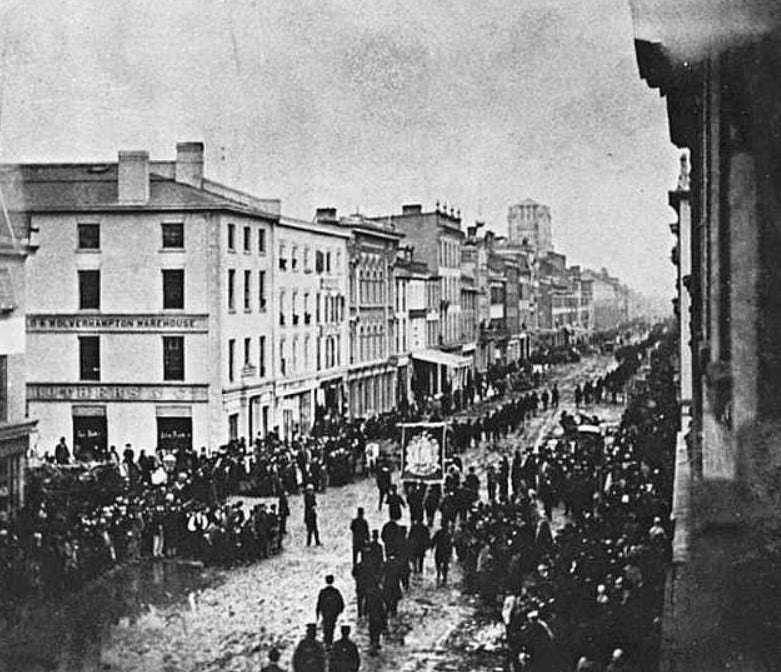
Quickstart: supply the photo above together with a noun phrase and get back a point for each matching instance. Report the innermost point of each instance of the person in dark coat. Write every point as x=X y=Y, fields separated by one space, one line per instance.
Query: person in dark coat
x=309 y=655
x=419 y=539
x=310 y=516
x=375 y=609
x=391 y=584
x=61 y=453
x=283 y=510
x=360 y=531
x=374 y=556
x=395 y=504
x=344 y=656
x=329 y=606
x=365 y=580
x=443 y=552
x=383 y=484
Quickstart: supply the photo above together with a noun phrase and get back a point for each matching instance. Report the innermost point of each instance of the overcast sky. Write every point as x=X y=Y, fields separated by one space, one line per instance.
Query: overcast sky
x=364 y=105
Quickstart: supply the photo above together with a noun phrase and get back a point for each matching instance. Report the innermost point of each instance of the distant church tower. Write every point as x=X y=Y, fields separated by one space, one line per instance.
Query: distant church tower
x=530 y=222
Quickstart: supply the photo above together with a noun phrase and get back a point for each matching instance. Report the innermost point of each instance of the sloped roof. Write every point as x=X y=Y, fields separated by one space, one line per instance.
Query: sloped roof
x=63 y=187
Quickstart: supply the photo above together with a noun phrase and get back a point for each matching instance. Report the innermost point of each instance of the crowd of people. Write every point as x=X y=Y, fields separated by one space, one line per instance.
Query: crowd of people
x=581 y=593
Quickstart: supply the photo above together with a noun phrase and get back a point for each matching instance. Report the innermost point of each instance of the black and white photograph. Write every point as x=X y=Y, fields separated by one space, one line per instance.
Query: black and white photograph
x=390 y=336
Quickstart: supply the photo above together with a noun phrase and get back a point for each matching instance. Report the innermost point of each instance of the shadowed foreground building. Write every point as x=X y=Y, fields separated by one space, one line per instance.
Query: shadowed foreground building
x=719 y=69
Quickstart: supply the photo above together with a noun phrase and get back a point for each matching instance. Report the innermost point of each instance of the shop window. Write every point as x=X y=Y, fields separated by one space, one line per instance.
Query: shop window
x=173 y=357
x=173 y=289
x=89 y=290
x=89 y=236
x=173 y=235
x=89 y=358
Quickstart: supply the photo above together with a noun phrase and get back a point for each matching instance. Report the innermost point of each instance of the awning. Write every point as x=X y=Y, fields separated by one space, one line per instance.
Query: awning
x=439 y=357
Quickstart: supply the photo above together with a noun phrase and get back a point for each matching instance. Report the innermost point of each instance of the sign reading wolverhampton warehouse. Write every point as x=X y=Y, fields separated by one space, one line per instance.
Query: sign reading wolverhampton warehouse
x=118 y=323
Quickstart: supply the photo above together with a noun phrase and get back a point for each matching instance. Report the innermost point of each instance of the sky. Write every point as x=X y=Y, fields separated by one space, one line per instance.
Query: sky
x=364 y=106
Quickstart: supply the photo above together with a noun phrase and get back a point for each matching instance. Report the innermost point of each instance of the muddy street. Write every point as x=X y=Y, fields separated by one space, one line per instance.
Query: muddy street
x=227 y=620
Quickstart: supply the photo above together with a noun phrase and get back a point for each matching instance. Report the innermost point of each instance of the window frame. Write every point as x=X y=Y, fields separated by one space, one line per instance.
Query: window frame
x=82 y=274
x=170 y=273
x=166 y=226
x=94 y=376
x=169 y=373
x=83 y=226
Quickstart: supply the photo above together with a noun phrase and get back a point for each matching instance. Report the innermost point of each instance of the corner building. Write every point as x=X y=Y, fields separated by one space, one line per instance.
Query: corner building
x=148 y=319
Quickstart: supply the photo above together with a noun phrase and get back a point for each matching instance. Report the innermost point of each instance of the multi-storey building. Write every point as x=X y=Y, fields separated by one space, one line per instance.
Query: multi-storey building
x=529 y=224
x=15 y=424
x=310 y=332
x=148 y=319
x=437 y=238
x=373 y=354
x=720 y=78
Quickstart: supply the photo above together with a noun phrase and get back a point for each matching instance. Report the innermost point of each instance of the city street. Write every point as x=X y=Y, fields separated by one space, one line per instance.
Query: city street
x=231 y=624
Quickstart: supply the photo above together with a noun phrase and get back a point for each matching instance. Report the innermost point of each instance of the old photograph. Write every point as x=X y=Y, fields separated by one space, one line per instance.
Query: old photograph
x=400 y=336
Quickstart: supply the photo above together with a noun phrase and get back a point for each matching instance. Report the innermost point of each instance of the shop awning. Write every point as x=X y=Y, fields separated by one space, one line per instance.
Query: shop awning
x=439 y=357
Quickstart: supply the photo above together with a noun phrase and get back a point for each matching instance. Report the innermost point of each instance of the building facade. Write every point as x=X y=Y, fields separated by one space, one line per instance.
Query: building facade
x=148 y=318
x=16 y=425
x=310 y=339
x=720 y=81
x=529 y=224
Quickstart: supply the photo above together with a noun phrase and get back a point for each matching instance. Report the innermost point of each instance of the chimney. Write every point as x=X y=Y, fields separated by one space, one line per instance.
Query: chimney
x=323 y=215
x=133 y=177
x=189 y=163
x=412 y=209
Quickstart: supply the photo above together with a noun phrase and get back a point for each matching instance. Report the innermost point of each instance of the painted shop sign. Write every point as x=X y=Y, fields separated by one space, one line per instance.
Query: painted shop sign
x=120 y=392
x=118 y=323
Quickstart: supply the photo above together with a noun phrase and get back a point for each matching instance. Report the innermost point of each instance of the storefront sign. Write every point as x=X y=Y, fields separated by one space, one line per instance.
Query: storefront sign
x=122 y=392
x=118 y=323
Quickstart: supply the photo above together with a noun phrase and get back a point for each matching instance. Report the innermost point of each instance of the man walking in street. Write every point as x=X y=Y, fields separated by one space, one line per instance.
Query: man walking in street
x=329 y=606
x=443 y=552
x=360 y=531
x=395 y=504
x=310 y=516
x=309 y=655
x=383 y=483
x=344 y=655
x=375 y=609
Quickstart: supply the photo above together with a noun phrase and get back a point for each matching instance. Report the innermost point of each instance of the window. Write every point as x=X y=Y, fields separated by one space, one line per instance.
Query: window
x=231 y=289
x=173 y=289
x=262 y=291
x=307 y=314
x=319 y=261
x=282 y=258
x=231 y=358
x=282 y=309
x=232 y=237
x=294 y=356
x=294 y=258
x=307 y=348
x=3 y=388
x=262 y=241
x=262 y=356
x=294 y=308
x=247 y=239
x=89 y=236
x=317 y=309
x=173 y=357
x=247 y=351
x=282 y=361
x=173 y=235
x=327 y=262
x=307 y=269
x=89 y=290
x=89 y=358
x=247 y=290
x=233 y=427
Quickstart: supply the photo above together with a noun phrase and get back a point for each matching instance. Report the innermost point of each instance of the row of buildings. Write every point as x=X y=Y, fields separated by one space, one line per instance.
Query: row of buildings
x=162 y=308
x=719 y=72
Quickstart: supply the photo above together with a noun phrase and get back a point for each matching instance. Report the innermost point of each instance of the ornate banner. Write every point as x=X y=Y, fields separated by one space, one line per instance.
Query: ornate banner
x=423 y=451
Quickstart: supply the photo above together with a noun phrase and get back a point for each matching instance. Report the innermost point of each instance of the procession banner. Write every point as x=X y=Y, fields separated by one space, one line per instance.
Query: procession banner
x=423 y=451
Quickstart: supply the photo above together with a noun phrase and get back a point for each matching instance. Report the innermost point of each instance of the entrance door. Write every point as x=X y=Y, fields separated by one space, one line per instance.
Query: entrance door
x=90 y=436
x=174 y=434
